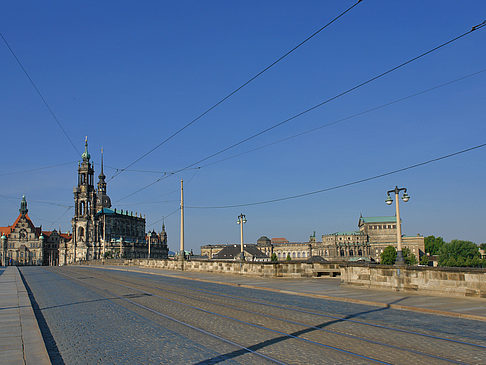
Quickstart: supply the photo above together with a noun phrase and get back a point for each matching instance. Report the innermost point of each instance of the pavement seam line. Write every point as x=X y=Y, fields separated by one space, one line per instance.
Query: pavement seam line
x=17 y=277
x=320 y=296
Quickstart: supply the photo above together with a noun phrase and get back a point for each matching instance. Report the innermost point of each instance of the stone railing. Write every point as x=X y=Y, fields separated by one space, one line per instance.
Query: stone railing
x=453 y=282
x=262 y=269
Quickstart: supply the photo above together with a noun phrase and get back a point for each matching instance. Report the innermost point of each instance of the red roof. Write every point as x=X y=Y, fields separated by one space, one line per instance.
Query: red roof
x=280 y=240
x=6 y=230
x=9 y=229
x=65 y=235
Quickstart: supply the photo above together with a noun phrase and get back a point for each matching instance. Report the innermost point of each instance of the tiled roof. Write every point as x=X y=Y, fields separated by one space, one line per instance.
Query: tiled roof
x=280 y=240
x=9 y=229
x=232 y=251
x=6 y=230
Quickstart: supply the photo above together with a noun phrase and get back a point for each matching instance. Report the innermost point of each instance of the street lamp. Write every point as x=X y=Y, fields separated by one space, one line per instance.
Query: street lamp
x=389 y=201
x=241 y=220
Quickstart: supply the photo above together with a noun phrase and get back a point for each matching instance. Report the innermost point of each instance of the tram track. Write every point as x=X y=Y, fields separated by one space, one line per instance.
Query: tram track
x=149 y=295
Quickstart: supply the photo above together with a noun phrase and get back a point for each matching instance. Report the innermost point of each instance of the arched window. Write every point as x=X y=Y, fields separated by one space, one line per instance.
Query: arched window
x=360 y=253
x=81 y=232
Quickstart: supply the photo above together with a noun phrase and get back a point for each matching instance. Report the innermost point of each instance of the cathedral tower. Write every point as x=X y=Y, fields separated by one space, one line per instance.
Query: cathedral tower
x=84 y=229
x=103 y=200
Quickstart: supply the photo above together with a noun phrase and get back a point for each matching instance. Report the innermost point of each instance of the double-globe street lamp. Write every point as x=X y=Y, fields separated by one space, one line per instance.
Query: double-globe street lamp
x=389 y=201
x=241 y=220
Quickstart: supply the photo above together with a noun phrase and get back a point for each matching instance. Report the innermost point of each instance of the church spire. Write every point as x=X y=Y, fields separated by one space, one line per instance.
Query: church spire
x=102 y=175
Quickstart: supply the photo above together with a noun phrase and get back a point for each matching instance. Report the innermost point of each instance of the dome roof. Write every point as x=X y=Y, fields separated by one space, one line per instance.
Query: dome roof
x=264 y=240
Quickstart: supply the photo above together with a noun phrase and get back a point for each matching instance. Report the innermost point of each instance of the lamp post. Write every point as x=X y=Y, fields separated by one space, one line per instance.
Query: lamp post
x=389 y=201
x=241 y=220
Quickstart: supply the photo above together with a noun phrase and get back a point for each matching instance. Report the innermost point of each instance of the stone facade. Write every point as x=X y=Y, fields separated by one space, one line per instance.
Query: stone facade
x=462 y=282
x=100 y=231
x=23 y=243
x=366 y=244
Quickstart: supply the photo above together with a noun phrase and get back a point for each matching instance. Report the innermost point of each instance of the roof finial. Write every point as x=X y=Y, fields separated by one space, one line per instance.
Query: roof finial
x=85 y=154
x=101 y=161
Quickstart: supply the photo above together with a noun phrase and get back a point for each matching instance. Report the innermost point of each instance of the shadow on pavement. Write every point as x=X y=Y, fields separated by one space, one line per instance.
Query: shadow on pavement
x=259 y=346
x=49 y=341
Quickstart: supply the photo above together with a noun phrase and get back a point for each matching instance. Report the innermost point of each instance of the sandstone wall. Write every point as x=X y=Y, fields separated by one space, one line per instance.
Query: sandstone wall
x=262 y=269
x=459 y=282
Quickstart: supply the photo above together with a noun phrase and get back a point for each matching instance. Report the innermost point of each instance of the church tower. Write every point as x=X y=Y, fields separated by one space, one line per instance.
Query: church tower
x=84 y=229
x=103 y=200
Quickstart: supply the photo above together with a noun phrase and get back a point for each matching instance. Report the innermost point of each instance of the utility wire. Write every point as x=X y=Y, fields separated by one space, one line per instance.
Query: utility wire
x=336 y=96
x=355 y=115
x=235 y=90
x=310 y=109
x=36 y=169
x=38 y=201
x=342 y=185
x=40 y=94
x=163 y=218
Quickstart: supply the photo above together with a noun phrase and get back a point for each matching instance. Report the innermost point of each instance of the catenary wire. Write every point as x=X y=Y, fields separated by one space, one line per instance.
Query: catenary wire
x=295 y=116
x=334 y=97
x=355 y=115
x=235 y=91
x=54 y=116
x=36 y=169
x=343 y=185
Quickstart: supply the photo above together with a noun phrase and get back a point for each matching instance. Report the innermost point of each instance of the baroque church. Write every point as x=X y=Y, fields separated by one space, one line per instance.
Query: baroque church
x=98 y=231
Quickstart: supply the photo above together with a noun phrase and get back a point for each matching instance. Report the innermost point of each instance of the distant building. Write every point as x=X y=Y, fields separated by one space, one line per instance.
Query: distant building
x=98 y=229
x=23 y=243
x=366 y=244
x=232 y=252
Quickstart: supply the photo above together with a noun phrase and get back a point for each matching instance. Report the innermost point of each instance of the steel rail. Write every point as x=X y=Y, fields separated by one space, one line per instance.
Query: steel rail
x=117 y=282
x=300 y=324
x=173 y=319
x=328 y=315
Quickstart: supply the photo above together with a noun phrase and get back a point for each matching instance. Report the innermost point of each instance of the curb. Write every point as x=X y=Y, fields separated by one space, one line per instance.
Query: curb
x=318 y=296
x=34 y=348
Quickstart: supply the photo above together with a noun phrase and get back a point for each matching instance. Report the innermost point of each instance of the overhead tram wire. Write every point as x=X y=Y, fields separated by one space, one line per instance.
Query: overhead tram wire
x=236 y=90
x=36 y=169
x=355 y=115
x=164 y=217
x=310 y=109
x=341 y=185
x=40 y=94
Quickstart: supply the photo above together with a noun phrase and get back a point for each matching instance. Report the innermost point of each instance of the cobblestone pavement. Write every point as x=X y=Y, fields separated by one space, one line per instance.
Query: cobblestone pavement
x=99 y=316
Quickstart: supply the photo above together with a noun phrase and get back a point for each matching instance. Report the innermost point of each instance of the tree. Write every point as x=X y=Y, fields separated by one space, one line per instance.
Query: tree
x=456 y=253
x=433 y=244
x=482 y=246
x=388 y=256
x=288 y=257
x=409 y=257
x=274 y=257
x=424 y=260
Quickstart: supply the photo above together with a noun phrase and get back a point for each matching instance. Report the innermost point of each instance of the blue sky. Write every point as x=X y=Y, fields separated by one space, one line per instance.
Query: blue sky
x=128 y=74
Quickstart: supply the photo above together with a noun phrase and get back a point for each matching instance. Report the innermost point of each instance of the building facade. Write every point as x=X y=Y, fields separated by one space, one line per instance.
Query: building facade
x=23 y=243
x=365 y=244
x=100 y=231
